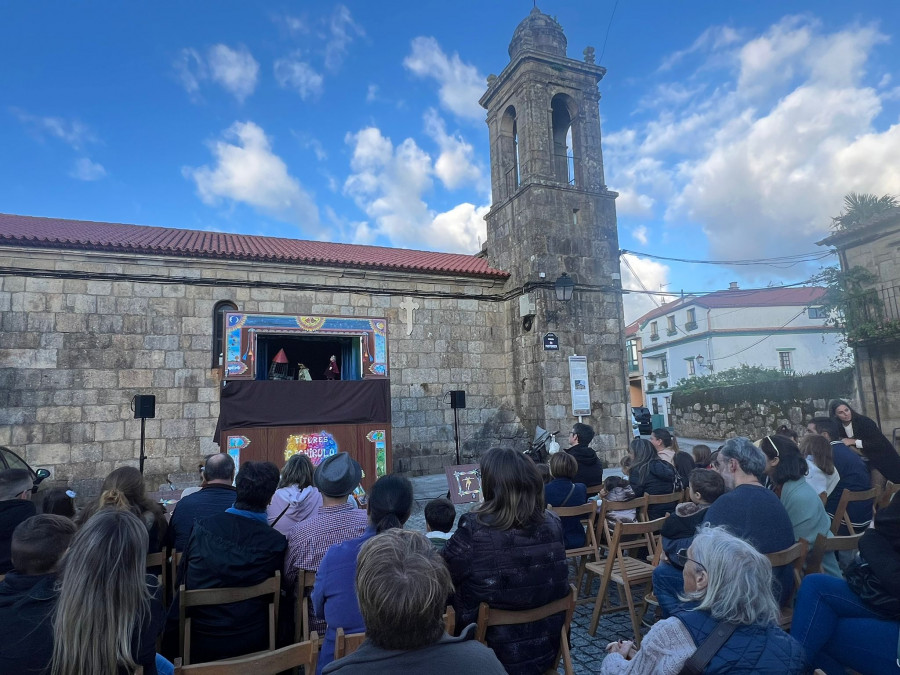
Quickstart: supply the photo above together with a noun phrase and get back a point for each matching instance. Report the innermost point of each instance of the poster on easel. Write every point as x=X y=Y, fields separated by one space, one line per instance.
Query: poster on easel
x=580 y=386
x=464 y=482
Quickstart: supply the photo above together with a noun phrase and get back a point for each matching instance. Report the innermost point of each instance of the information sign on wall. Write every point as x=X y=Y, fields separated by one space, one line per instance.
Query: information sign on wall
x=580 y=386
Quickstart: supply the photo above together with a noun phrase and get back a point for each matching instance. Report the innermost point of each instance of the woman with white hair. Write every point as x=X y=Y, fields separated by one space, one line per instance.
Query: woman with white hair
x=726 y=582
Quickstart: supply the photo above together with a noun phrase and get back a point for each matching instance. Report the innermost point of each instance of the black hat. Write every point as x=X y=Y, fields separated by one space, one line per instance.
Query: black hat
x=338 y=475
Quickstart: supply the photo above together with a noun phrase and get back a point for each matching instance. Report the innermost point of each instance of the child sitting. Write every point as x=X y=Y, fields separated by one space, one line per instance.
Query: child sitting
x=706 y=486
x=617 y=489
x=440 y=514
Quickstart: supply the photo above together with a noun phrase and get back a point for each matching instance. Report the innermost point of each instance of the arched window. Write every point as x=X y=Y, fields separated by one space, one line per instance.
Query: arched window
x=565 y=163
x=509 y=152
x=218 y=331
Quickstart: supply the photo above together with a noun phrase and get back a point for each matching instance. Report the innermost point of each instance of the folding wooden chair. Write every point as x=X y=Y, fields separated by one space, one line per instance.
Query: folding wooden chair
x=796 y=557
x=306 y=579
x=654 y=500
x=204 y=597
x=488 y=616
x=626 y=571
x=594 y=489
x=346 y=643
x=604 y=531
x=305 y=654
x=589 y=550
x=450 y=620
x=890 y=489
x=840 y=513
x=161 y=560
x=823 y=545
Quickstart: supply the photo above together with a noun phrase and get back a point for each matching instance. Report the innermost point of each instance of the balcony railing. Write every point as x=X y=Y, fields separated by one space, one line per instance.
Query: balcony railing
x=873 y=315
x=654 y=337
x=690 y=325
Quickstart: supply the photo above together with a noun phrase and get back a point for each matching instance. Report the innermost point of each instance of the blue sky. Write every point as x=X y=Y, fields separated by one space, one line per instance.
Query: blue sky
x=732 y=130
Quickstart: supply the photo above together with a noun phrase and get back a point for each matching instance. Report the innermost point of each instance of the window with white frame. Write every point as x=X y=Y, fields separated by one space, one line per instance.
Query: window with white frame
x=692 y=369
x=691 y=322
x=817 y=313
x=654 y=331
x=784 y=362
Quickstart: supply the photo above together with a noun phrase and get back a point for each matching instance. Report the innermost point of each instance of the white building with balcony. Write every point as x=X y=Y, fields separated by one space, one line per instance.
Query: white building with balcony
x=782 y=328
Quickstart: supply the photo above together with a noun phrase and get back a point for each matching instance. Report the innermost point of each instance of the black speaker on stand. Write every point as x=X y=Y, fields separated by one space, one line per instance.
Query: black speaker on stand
x=144 y=406
x=457 y=401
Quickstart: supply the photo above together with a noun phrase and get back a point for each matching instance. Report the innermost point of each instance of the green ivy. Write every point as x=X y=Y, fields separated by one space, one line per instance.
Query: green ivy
x=728 y=378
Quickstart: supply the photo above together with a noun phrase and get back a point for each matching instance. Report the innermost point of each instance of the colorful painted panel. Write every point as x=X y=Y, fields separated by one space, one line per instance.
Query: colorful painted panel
x=379 y=438
x=316 y=446
x=242 y=331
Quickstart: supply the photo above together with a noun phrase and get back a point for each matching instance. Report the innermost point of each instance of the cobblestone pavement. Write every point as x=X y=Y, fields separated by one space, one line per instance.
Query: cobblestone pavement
x=587 y=651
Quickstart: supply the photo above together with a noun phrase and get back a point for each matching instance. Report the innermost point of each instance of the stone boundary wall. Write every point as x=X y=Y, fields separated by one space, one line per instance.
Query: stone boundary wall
x=755 y=410
x=81 y=333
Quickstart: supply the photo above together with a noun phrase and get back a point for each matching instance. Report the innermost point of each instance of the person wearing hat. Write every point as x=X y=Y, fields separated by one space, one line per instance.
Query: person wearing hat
x=337 y=520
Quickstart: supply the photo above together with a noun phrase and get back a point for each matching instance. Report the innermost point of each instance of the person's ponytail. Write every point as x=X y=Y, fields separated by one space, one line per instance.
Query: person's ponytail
x=115 y=498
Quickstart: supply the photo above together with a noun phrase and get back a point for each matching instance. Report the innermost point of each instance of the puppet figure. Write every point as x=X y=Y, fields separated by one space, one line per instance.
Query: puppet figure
x=333 y=372
x=303 y=373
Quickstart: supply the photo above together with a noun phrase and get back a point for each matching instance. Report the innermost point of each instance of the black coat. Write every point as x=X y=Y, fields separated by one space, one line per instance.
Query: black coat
x=875 y=446
x=880 y=547
x=212 y=499
x=590 y=469
x=657 y=478
x=12 y=512
x=510 y=569
x=26 y=605
x=684 y=464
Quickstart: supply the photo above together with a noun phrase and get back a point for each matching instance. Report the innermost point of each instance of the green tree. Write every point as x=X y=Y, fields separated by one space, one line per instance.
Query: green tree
x=862 y=208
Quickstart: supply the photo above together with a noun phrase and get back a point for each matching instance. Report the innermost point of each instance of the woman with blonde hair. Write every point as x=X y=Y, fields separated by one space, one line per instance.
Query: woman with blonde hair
x=726 y=584
x=109 y=613
x=296 y=498
x=509 y=552
x=124 y=488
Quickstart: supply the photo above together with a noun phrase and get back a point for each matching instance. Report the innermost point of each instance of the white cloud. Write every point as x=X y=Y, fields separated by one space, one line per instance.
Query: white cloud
x=86 y=170
x=293 y=73
x=371 y=93
x=342 y=30
x=713 y=39
x=460 y=84
x=761 y=159
x=70 y=131
x=640 y=234
x=247 y=171
x=389 y=183
x=234 y=69
x=648 y=275
x=455 y=166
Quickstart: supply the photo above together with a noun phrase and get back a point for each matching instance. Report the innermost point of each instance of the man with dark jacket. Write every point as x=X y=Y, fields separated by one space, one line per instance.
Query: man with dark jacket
x=232 y=549
x=28 y=595
x=590 y=470
x=217 y=495
x=15 y=507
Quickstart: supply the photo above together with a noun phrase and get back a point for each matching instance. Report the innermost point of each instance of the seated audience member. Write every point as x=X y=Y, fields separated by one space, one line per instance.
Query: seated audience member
x=854 y=476
x=662 y=442
x=296 y=498
x=590 y=468
x=563 y=491
x=862 y=434
x=544 y=470
x=334 y=595
x=747 y=510
x=440 y=515
x=232 y=549
x=215 y=497
x=196 y=488
x=839 y=629
x=617 y=489
x=802 y=503
x=822 y=476
x=402 y=585
x=15 y=507
x=337 y=520
x=706 y=486
x=109 y=613
x=653 y=476
x=509 y=552
x=28 y=594
x=129 y=482
x=701 y=454
x=59 y=501
x=722 y=579
x=785 y=430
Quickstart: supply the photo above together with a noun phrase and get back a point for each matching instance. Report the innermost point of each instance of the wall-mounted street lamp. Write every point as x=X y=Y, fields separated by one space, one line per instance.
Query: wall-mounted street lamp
x=564 y=287
x=700 y=362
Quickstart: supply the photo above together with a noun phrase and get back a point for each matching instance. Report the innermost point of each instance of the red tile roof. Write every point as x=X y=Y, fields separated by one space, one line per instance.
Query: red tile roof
x=799 y=296
x=116 y=237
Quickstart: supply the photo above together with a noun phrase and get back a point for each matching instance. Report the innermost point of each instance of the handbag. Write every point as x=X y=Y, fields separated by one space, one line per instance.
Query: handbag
x=863 y=581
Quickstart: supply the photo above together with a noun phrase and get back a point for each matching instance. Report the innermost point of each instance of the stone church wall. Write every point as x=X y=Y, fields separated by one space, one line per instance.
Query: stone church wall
x=82 y=333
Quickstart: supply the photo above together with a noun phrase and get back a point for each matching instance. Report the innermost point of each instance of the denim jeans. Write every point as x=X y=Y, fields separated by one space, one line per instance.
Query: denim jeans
x=163 y=666
x=838 y=630
x=668 y=582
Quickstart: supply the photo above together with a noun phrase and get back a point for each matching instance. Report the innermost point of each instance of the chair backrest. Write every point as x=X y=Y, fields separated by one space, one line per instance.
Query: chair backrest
x=306 y=579
x=346 y=643
x=795 y=556
x=604 y=530
x=450 y=620
x=305 y=654
x=890 y=489
x=594 y=489
x=627 y=536
x=161 y=560
x=588 y=510
x=222 y=596
x=672 y=498
x=824 y=544
x=488 y=616
x=840 y=513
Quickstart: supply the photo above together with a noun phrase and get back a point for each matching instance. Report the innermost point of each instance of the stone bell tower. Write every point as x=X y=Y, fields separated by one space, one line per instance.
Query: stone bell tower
x=553 y=214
